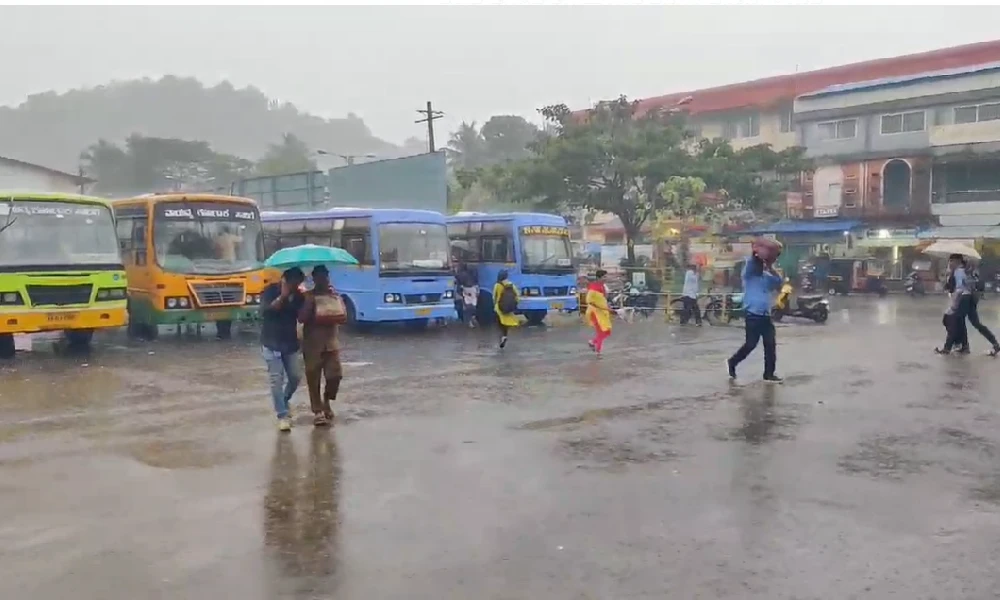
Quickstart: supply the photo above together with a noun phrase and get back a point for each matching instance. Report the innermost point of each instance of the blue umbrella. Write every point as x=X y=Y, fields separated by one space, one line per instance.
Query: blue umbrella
x=309 y=255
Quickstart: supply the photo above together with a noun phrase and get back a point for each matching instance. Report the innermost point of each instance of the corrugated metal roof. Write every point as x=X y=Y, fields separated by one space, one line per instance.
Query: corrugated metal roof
x=773 y=91
x=886 y=82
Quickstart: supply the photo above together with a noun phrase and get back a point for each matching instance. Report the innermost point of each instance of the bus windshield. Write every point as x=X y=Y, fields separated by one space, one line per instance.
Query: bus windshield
x=51 y=234
x=543 y=250
x=413 y=247
x=202 y=238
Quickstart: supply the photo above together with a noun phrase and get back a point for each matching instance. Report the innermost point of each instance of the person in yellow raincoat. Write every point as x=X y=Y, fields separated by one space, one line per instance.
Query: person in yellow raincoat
x=505 y=305
x=598 y=312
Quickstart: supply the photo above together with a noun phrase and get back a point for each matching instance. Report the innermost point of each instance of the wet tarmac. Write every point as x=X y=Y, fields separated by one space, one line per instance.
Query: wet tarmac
x=154 y=470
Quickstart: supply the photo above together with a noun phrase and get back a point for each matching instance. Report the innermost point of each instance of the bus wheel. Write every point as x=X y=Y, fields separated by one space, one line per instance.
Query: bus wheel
x=79 y=338
x=536 y=317
x=224 y=329
x=7 y=349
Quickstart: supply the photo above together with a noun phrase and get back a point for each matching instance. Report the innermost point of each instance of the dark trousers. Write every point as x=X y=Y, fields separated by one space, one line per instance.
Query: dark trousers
x=758 y=327
x=319 y=367
x=958 y=333
x=690 y=308
x=503 y=330
x=974 y=319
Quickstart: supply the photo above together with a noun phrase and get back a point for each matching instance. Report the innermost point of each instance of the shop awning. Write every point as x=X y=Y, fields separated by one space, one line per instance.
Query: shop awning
x=807 y=226
x=961 y=232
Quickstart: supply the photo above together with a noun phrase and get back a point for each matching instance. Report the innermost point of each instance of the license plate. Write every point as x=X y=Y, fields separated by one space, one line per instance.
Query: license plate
x=217 y=316
x=557 y=306
x=423 y=312
x=62 y=317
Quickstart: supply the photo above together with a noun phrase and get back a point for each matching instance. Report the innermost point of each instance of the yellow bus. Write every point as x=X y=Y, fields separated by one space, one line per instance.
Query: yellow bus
x=60 y=269
x=190 y=258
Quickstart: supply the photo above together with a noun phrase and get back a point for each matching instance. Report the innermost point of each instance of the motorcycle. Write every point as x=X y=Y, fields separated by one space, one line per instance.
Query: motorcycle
x=631 y=299
x=914 y=285
x=814 y=306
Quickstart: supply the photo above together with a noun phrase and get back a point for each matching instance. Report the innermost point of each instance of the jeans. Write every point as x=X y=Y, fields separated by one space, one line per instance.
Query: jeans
x=758 y=327
x=284 y=375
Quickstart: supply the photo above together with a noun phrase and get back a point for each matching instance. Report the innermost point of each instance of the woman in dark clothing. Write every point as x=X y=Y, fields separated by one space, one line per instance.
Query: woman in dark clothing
x=958 y=308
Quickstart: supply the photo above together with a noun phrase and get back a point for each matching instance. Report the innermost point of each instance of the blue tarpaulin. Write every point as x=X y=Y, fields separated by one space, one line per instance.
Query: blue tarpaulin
x=807 y=226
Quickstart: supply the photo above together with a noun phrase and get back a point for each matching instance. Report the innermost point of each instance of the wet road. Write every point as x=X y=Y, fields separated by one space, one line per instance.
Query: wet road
x=155 y=471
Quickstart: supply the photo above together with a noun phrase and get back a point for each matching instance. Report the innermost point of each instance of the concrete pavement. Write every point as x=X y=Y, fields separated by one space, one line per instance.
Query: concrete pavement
x=457 y=471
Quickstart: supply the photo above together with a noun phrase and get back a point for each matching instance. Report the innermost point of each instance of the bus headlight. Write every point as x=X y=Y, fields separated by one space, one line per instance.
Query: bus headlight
x=393 y=299
x=171 y=302
x=10 y=298
x=182 y=302
x=572 y=291
x=530 y=291
x=448 y=295
x=111 y=294
x=253 y=298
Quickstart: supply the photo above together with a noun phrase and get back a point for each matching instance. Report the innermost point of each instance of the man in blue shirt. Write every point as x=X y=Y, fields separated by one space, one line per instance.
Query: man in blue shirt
x=759 y=283
x=279 y=339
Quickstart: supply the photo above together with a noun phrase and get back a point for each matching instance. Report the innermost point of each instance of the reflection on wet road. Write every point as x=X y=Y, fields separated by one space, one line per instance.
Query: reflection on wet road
x=455 y=471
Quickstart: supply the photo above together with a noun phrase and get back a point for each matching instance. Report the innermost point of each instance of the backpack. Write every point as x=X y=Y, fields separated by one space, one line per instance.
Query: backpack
x=978 y=285
x=508 y=299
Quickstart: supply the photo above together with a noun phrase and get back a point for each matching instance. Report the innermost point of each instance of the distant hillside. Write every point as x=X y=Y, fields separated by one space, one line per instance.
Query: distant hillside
x=52 y=129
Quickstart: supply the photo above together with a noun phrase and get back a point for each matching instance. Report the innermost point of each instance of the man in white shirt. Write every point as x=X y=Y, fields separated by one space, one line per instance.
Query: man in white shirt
x=689 y=296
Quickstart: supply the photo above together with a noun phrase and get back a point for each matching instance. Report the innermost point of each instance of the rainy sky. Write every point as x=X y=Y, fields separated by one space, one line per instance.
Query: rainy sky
x=382 y=63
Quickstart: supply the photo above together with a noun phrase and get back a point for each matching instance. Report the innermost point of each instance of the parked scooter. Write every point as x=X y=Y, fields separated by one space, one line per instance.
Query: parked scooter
x=813 y=306
x=914 y=284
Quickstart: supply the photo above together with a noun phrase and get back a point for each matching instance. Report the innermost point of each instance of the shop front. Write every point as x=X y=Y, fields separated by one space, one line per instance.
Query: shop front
x=898 y=247
x=805 y=239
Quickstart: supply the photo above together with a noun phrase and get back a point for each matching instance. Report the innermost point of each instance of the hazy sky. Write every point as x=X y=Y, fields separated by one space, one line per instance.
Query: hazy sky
x=384 y=62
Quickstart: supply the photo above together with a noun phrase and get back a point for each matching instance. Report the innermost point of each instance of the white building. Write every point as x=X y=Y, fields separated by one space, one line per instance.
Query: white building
x=23 y=176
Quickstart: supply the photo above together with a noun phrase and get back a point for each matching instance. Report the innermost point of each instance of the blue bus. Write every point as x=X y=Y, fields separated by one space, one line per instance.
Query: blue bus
x=404 y=272
x=535 y=250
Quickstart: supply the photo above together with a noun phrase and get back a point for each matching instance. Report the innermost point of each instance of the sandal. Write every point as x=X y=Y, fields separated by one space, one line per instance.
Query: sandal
x=320 y=420
x=940 y=351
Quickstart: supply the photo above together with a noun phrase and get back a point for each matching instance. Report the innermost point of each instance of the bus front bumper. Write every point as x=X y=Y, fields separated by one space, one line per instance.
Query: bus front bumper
x=178 y=316
x=548 y=303
x=62 y=319
x=410 y=313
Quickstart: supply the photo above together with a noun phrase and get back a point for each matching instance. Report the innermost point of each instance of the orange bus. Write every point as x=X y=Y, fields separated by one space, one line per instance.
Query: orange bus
x=190 y=258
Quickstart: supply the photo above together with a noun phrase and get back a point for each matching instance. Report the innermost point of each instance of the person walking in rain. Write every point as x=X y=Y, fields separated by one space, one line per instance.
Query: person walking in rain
x=959 y=306
x=976 y=289
x=759 y=283
x=505 y=299
x=280 y=304
x=598 y=312
x=689 y=296
x=322 y=314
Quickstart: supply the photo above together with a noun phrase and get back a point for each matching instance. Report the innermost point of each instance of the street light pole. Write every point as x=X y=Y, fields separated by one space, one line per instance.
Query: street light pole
x=430 y=115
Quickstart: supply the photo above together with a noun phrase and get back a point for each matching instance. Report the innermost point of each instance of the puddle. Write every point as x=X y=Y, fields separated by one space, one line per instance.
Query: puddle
x=179 y=454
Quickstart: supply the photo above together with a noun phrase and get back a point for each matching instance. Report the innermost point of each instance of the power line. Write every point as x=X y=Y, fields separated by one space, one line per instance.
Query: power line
x=430 y=115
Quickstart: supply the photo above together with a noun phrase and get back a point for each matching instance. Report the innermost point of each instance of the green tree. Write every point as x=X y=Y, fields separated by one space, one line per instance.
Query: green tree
x=613 y=161
x=466 y=149
x=290 y=156
x=507 y=138
x=150 y=164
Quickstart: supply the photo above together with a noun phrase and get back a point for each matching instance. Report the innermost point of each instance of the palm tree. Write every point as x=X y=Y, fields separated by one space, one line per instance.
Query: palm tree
x=466 y=148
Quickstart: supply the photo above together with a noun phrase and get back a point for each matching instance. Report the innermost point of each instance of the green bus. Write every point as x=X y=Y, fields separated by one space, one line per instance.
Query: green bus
x=60 y=267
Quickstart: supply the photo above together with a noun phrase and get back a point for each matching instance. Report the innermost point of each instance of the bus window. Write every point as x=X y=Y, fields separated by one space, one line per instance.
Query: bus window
x=495 y=248
x=357 y=246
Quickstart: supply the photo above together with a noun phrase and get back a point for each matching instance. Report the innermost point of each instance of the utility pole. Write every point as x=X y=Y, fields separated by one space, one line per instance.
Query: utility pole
x=430 y=115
